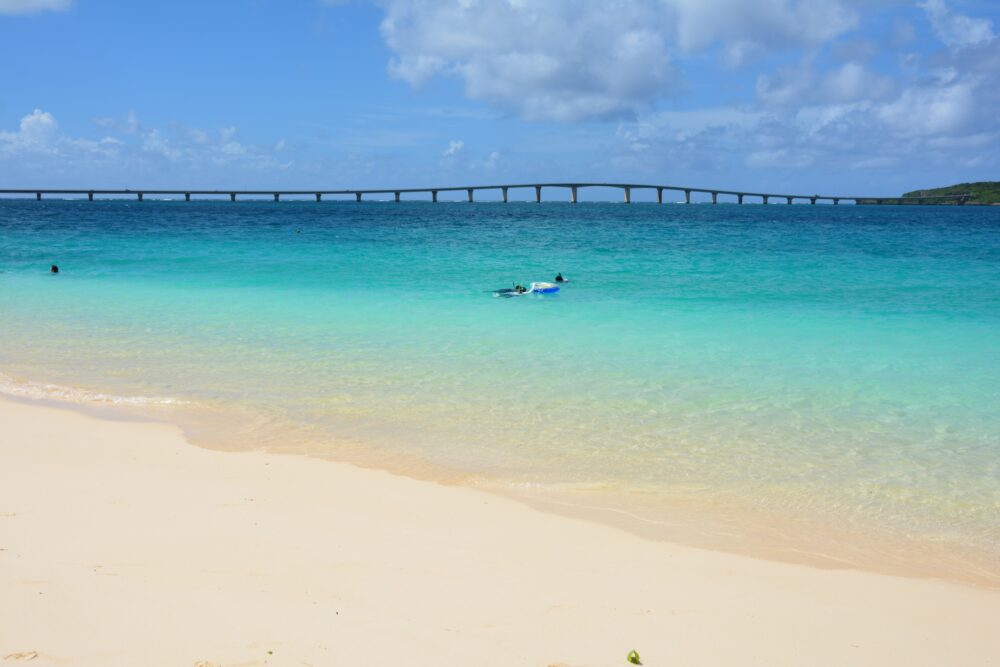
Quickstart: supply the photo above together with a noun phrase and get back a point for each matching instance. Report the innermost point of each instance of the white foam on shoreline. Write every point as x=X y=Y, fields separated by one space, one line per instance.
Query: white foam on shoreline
x=42 y=391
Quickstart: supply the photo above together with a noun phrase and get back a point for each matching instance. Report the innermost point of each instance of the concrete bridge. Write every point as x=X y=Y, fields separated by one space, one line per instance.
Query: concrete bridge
x=470 y=190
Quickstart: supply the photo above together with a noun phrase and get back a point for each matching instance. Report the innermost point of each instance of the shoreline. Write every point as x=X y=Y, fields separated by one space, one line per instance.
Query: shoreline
x=729 y=527
x=122 y=543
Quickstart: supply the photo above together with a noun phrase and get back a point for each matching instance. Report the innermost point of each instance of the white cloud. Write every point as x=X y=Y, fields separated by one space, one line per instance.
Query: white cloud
x=33 y=6
x=780 y=158
x=766 y=24
x=931 y=110
x=454 y=148
x=555 y=60
x=569 y=61
x=38 y=127
x=38 y=146
x=956 y=30
x=798 y=86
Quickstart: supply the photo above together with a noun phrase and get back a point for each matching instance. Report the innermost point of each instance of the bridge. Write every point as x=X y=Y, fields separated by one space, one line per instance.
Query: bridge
x=470 y=190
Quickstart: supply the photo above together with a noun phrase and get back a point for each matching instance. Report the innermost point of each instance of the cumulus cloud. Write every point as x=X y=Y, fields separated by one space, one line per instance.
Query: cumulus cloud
x=33 y=6
x=454 y=148
x=555 y=60
x=38 y=145
x=801 y=85
x=762 y=25
x=931 y=110
x=956 y=30
x=569 y=61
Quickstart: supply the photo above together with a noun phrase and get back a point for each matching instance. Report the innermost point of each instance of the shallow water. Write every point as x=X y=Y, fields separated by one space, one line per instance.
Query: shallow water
x=840 y=364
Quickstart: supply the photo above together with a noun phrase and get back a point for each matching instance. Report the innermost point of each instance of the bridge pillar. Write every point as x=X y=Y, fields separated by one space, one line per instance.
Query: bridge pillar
x=766 y=197
x=319 y=196
x=687 y=196
x=739 y=198
x=187 y=196
x=232 y=196
x=90 y=196
x=659 y=195
x=434 y=196
x=538 y=194
x=38 y=196
x=140 y=195
x=715 y=197
x=836 y=201
x=277 y=196
x=357 y=197
x=470 y=194
x=573 y=194
x=628 y=195
x=397 y=197
x=812 y=200
x=789 y=200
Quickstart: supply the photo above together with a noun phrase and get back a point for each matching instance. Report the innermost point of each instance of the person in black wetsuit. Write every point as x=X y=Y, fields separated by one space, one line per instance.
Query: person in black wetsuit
x=560 y=279
x=54 y=269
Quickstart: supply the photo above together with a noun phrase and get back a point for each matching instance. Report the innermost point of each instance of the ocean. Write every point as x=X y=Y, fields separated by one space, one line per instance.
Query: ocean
x=804 y=382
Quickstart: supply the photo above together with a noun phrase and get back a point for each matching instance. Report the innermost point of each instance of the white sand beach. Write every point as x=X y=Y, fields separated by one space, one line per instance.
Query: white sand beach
x=122 y=544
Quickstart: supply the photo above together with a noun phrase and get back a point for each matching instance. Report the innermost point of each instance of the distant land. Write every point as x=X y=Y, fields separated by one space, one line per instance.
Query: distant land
x=984 y=192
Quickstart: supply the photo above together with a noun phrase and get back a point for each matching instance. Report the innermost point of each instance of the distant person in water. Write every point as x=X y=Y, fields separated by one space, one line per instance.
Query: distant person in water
x=520 y=289
x=560 y=279
x=54 y=269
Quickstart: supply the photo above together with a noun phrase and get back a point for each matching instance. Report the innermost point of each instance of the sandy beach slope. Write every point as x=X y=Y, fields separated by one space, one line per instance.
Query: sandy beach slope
x=121 y=544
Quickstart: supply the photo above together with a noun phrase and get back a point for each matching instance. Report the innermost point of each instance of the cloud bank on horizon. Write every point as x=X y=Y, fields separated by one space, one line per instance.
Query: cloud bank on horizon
x=725 y=92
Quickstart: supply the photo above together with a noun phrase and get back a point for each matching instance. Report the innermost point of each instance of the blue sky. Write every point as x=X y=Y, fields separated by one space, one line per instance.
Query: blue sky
x=831 y=96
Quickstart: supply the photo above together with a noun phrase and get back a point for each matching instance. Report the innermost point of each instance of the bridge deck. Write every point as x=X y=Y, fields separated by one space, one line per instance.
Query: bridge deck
x=360 y=192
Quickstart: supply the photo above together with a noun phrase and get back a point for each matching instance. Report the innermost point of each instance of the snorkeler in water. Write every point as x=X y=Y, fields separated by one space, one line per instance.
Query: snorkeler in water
x=560 y=279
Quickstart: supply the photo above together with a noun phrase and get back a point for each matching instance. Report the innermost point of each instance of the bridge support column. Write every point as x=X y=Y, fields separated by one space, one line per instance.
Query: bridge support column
x=715 y=197
x=232 y=196
x=789 y=200
x=357 y=197
x=397 y=197
x=277 y=196
x=812 y=200
x=434 y=196
x=739 y=198
x=90 y=196
x=766 y=197
x=504 y=195
x=659 y=195
x=470 y=195
x=836 y=201
x=573 y=194
x=187 y=196
x=38 y=196
x=628 y=195
x=319 y=197
x=140 y=195
x=538 y=194
x=687 y=196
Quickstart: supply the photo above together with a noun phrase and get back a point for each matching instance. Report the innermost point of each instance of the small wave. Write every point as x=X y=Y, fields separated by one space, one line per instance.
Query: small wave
x=41 y=391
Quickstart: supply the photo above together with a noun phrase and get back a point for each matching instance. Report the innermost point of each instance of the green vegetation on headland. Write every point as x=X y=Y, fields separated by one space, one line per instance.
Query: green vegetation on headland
x=985 y=192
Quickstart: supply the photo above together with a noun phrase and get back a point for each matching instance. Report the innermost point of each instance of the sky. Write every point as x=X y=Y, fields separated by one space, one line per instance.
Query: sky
x=807 y=96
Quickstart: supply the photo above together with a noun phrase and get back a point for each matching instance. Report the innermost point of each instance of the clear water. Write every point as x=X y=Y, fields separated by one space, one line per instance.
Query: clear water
x=834 y=364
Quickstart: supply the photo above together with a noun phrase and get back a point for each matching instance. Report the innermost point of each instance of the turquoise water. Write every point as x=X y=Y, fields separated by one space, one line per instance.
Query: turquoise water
x=836 y=364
